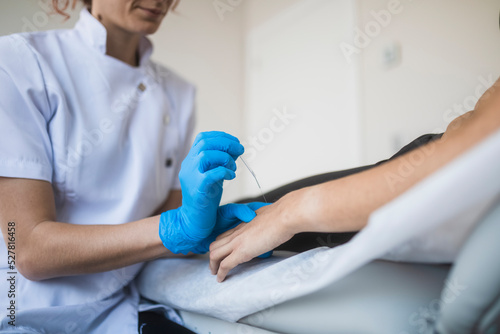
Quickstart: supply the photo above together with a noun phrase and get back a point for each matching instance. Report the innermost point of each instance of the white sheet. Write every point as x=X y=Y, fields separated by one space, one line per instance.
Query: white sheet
x=428 y=223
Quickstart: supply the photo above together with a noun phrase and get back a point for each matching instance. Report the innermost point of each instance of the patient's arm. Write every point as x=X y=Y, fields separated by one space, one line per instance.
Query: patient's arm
x=345 y=204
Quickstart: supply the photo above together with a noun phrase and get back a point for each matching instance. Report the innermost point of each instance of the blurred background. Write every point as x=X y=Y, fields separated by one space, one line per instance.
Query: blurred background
x=312 y=86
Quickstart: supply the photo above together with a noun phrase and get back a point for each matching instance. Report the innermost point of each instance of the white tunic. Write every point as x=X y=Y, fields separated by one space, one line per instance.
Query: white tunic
x=110 y=138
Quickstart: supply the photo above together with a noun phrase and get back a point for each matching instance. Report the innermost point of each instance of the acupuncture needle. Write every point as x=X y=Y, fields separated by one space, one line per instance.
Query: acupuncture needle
x=255 y=178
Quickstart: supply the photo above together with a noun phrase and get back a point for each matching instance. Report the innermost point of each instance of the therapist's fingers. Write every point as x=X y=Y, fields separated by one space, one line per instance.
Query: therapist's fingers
x=257 y=205
x=215 y=176
x=236 y=212
x=229 y=235
x=230 y=146
x=211 y=159
x=213 y=134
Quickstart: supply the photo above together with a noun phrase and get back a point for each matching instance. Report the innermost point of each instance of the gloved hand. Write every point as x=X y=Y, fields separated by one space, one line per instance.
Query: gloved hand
x=228 y=217
x=210 y=161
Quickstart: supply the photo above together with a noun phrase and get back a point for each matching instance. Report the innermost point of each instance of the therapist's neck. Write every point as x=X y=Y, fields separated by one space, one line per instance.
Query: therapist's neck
x=120 y=43
x=123 y=45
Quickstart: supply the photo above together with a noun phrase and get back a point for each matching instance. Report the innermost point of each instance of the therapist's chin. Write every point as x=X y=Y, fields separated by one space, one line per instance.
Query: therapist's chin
x=145 y=24
x=144 y=28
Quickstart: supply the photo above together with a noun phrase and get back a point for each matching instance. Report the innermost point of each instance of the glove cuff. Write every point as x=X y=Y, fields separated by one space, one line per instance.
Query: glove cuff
x=173 y=234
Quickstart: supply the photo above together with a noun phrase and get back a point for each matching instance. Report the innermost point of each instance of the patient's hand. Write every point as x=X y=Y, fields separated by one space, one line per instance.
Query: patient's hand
x=249 y=240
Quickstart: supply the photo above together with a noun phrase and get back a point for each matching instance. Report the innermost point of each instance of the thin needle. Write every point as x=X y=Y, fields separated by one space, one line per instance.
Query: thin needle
x=255 y=178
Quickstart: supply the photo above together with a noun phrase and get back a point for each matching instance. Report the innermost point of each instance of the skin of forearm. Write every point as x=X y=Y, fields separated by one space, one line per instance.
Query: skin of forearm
x=46 y=248
x=173 y=201
x=346 y=204
x=60 y=249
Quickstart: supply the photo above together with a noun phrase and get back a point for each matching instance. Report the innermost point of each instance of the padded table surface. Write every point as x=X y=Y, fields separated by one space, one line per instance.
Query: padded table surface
x=381 y=297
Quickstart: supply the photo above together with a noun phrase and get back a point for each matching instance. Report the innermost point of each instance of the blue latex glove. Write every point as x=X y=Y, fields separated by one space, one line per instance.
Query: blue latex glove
x=228 y=217
x=210 y=161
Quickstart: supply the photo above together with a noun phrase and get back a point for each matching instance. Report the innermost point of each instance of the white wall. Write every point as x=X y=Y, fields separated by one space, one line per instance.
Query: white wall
x=294 y=64
x=444 y=53
x=448 y=49
x=258 y=12
x=207 y=50
x=195 y=42
x=32 y=15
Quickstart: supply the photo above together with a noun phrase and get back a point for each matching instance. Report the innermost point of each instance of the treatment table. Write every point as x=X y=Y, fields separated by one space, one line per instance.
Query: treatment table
x=389 y=297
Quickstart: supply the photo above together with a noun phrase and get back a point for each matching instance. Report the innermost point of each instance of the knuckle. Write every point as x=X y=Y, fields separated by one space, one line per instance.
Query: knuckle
x=225 y=215
x=202 y=155
x=213 y=255
x=205 y=134
x=205 y=179
x=203 y=142
x=216 y=174
x=238 y=147
x=228 y=160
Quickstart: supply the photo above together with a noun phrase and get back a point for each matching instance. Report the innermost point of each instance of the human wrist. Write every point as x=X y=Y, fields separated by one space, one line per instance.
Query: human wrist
x=197 y=232
x=292 y=212
x=172 y=232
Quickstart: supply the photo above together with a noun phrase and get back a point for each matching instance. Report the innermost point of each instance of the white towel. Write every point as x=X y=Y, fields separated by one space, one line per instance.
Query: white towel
x=428 y=223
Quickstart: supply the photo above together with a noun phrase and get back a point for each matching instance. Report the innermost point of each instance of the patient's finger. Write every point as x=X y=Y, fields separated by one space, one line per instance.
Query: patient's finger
x=218 y=243
x=217 y=255
x=229 y=232
x=226 y=265
x=225 y=238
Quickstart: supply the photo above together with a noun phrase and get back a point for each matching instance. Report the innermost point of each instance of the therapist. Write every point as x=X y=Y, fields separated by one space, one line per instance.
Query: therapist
x=95 y=138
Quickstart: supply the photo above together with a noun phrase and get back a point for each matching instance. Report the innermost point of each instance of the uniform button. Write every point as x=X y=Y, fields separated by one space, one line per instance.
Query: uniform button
x=141 y=87
x=166 y=119
x=168 y=162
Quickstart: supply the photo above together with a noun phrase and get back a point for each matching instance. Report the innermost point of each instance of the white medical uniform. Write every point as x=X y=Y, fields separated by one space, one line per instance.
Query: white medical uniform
x=110 y=138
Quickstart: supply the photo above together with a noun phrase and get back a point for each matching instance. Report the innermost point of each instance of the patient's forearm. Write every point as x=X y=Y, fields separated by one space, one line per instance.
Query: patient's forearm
x=345 y=204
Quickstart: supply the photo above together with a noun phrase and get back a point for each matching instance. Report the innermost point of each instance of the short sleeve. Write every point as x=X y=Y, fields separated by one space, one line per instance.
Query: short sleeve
x=26 y=150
